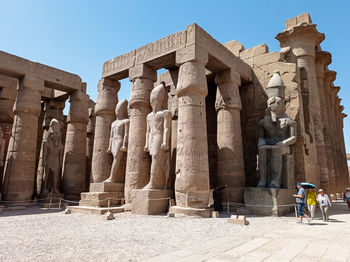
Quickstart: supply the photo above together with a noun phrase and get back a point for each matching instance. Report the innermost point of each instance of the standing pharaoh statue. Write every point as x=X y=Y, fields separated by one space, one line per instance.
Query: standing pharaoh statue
x=118 y=143
x=277 y=132
x=158 y=138
x=52 y=159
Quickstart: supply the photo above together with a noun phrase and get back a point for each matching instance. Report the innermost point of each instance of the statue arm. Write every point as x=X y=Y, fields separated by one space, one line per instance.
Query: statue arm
x=293 y=135
x=166 y=130
x=44 y=153
x=261 y=140
x=109 y=150
x=126 y=136
x=147 y=135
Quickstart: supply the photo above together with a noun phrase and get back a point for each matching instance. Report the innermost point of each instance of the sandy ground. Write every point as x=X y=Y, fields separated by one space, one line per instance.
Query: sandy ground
x=49 y=235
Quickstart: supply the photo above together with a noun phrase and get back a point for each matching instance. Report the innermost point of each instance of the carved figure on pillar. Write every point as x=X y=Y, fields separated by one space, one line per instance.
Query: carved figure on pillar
x=118 y=143
x=277 y=131
x=52 y=159
x=158 y=139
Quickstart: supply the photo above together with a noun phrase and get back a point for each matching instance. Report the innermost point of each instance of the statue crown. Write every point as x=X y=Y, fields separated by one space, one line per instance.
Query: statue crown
x=275 y=87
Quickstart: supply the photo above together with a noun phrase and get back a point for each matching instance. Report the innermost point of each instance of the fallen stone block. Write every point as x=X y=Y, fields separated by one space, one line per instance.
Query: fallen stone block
x=238 y=220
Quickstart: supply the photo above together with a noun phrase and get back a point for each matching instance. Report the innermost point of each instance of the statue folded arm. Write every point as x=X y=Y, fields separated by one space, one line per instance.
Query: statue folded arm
x=109 y=149
x=293 y=134
x=166 y=130
x=126 y=136
x=147 y=137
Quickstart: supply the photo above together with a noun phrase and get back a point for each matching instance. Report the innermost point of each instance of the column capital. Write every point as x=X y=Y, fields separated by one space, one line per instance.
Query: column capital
x=302 y=38
x=323 y=57
x=33 y=83
x=78 y=111
x=192 y=53
x=142 y=71
x=105 y=83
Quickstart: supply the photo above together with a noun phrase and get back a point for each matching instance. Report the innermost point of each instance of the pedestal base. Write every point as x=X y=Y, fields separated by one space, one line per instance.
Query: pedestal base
x=102 y=193
x=269 y=201
x=94 y=210
x=150 y=201
x=190 y=211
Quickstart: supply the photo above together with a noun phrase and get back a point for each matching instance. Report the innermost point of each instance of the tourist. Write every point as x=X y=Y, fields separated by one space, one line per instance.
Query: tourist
x=347 y=197
x=324 y=202
x=300 y=198
x=311 y=202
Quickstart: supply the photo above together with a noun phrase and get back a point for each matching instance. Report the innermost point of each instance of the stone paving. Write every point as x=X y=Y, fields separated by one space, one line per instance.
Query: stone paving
x=320 y=241
x=48 y=235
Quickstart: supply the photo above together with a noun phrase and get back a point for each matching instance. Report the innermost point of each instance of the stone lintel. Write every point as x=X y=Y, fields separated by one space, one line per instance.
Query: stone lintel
x=254 y=51
x=235 y=47
x=142 y=71
x=228 y=76
x=192 y=53
x=302 y=18
x=15 y=66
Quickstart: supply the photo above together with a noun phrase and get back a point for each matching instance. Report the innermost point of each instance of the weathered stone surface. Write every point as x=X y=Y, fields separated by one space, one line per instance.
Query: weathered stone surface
x=269 y=201
x=238 y=220
x=150 y=201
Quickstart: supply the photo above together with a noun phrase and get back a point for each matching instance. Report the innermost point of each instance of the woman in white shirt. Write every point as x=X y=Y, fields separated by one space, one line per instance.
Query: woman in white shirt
x=324 y=202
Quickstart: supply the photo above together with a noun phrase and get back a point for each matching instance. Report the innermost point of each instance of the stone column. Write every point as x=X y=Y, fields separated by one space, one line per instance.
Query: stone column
x=104 y=111
x=138 y=161
x=90 y=144
x=230 y=162
x=345 y=175
x=323 y=59
x=192 y=189
x=303 y=40
x=20 y=164
x=74 y=161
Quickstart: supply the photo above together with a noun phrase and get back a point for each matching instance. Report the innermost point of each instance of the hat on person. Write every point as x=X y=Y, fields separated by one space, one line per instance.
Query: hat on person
x=320 y=190
x=298 y=184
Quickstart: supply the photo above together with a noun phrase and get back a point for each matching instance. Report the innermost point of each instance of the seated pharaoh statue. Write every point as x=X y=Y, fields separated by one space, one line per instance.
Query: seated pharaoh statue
x=118 y=143
x=158 y=138
x=52 y=159
x=277 y=132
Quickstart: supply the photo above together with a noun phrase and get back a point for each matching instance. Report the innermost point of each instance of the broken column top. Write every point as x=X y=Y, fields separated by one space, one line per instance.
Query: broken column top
x=300 y=19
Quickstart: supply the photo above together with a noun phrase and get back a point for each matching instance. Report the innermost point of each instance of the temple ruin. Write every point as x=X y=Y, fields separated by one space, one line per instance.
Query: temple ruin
x=186 y=131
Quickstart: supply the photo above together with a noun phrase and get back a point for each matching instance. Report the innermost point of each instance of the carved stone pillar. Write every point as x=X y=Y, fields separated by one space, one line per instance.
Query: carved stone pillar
x=74 y=161
x=230 y=162
x=90 y=144
x=323 y=59
x=329 y=77
x=192 y=189
x=20 y=164
x=104 y=110
x=303 y=40
x=138 y=162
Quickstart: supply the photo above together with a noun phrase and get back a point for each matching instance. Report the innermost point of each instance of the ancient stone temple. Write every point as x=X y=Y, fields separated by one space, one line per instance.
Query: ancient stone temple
x=206 y=122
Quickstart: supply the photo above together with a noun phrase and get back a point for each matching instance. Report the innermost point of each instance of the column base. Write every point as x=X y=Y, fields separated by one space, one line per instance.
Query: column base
x=191 y=211
x=102 y=193
x=269 y=201
x=150 y=201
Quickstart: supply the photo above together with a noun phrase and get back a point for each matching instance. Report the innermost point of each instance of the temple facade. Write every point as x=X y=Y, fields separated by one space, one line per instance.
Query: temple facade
x=190 y=133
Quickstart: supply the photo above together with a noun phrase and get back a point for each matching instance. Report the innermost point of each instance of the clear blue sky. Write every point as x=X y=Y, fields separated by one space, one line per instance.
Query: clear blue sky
x=78 y=36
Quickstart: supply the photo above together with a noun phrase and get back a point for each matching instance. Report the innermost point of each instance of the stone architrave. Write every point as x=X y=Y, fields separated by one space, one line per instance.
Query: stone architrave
x=138 y=162
x=277 y=132
x=52 y=159
x=230 y=163
x=104 y=110
x=74 y=169
x=19 y=171
x=157 y=143
x=192 y=189
x=118 y=143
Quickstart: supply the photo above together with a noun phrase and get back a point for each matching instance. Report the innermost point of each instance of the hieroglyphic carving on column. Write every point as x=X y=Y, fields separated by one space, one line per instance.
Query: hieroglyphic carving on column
x=104 y=110
x=138 y=162
x=20 y=164
x=118 y=143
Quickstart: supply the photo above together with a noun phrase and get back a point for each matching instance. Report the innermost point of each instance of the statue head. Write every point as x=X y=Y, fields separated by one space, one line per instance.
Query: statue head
x=276 y=91
x=121 y=109
x=158 y=96
x=55 y=130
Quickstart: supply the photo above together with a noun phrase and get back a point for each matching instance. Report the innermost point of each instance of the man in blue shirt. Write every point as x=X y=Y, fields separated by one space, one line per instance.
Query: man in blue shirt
x=300 y=198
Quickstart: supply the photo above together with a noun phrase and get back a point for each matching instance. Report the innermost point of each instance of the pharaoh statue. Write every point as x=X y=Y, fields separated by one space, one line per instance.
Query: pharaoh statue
x=118 y=143
x=277 y=132
x=158 y=138
x=52 y=159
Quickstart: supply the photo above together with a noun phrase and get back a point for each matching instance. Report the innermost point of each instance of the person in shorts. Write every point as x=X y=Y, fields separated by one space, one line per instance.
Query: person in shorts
x=300 y=199
x=347 y=197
